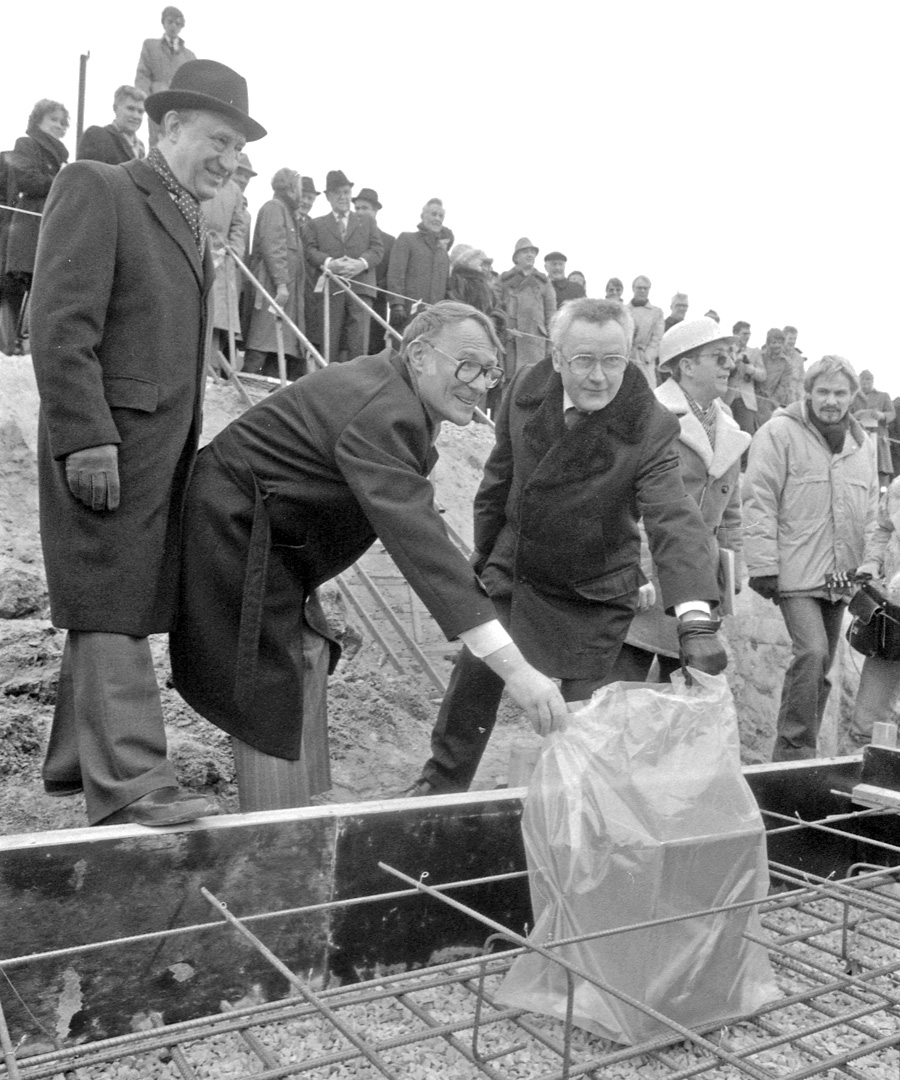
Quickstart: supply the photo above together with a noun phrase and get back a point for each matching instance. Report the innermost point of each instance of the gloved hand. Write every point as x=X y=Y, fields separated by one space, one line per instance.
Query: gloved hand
x=767 y=587
x=397 y=318
x=93 y=476
x=699 y=645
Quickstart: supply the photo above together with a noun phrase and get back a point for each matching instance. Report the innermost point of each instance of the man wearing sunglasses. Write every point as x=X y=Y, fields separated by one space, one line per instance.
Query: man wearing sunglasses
x=584 y=450
x=291 y=494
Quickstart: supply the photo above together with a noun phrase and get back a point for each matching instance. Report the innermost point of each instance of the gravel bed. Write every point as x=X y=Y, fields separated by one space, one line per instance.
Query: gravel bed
x=850 y=1004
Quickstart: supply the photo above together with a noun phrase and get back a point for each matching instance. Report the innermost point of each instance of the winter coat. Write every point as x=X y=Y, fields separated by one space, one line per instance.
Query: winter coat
x=225 y=219
x=712 y=479
x=107 y=144
x=34 y=163
x=649 y=327
x=286 y=497
x=556 y=521
x=807 y=512
x=862 y=406
x=883 y=546
x=566 y=290
x=777 y=391
x=158 y=64
x=277 y=259
x=744 y=385
x=529 y=302
x=419 y=267
x=118 y=324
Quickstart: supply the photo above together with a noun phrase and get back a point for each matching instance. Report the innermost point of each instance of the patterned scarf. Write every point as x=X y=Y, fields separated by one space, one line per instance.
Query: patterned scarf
x=707 y=417
x=183 y=199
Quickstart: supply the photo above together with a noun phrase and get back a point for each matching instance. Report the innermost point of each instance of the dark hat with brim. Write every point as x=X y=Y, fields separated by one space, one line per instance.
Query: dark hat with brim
x=336 y=179
x=308 y=186
x=555 y=256
x=212 y=87
x=369 y=195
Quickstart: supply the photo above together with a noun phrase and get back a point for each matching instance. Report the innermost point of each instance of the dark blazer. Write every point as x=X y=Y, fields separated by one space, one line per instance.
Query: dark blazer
x=288 y=495
x=556 y=520
x=104 y=144
x=322 y=240
x=118 y=324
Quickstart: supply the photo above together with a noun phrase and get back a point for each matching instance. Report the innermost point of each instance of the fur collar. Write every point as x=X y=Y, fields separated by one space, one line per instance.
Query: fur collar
x=509 y=275
x=731 y=442
x=590 y=447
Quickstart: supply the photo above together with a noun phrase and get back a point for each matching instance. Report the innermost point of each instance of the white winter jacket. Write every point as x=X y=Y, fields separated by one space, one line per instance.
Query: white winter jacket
x=807 y=512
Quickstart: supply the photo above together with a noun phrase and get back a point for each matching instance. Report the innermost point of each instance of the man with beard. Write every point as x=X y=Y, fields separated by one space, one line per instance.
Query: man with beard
x=810 y=505
x=117 y=142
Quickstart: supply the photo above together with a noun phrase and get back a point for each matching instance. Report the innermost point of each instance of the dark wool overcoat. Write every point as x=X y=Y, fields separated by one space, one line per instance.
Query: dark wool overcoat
x=286 y=497
x=106 y=143
x=33 y=164
x=118 y=324
x=556 y=521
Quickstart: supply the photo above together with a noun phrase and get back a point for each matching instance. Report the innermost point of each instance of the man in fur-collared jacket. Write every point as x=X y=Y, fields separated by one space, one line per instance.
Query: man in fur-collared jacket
x=583 y=452
x=697 y=357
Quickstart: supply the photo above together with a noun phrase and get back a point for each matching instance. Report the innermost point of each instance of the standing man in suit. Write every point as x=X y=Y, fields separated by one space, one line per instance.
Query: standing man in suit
x=366 y=202
x=118 y=142
x=120 y=318
x=348 y=244
x=160 y=59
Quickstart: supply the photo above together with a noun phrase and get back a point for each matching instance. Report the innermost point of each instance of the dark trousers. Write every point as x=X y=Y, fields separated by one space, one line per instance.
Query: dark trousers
x=349 y=327
x=633 y=665
x=815 y=626
x=108 y=724
x=468 y=713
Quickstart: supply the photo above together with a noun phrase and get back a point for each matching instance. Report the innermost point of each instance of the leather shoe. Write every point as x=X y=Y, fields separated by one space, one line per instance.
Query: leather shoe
x=164 y=806
x=420 y=788
x=60 y=788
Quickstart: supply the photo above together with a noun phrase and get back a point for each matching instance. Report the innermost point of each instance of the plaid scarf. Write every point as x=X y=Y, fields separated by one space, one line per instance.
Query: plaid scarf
x=707 y=418
x=183 y=199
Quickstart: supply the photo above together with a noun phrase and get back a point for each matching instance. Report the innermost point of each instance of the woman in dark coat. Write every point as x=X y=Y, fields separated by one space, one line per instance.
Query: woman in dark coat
x=33 y=164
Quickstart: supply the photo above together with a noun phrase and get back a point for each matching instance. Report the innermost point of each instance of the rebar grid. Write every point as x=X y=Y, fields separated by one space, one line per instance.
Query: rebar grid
x=834 y=946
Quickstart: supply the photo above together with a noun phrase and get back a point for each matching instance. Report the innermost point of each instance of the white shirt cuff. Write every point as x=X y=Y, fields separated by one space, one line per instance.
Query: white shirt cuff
x=692 y=605
x=485 y=639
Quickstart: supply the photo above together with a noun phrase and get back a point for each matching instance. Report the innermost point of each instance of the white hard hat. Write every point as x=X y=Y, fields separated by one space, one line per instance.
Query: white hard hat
x=688 y=335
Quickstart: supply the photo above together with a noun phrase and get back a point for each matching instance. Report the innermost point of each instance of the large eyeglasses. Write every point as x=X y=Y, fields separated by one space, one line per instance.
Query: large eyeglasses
x=584 y=364
x=469 y=369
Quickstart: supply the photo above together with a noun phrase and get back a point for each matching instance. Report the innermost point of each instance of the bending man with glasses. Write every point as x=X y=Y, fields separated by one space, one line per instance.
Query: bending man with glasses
x=295 y=491
x=584 y=450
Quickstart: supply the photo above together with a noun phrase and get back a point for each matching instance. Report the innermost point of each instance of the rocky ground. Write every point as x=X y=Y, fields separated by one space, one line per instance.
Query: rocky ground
x=379 y=721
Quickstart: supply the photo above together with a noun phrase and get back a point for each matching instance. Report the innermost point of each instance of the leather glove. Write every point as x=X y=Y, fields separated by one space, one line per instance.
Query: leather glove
x=767 y=587
x=93 y=476
x=397 y=319
x=699 y=645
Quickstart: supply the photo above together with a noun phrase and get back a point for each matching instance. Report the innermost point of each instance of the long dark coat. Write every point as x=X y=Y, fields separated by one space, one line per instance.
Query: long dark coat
x=119 y=318
x=286 y=497
x=277 y=259
x=105 y=143
x=34 y=163
x=556 y=521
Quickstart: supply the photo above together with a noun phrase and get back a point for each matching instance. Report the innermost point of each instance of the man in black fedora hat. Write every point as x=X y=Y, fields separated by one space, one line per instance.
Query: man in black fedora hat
x=120 y=326
x=366 y=202
x=350 y=245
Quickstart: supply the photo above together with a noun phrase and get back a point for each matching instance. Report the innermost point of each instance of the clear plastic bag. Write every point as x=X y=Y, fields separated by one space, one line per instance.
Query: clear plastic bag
x=639 y=811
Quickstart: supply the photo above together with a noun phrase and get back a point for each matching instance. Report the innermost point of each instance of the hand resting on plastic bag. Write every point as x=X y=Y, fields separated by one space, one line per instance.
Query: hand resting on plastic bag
x=700 y=647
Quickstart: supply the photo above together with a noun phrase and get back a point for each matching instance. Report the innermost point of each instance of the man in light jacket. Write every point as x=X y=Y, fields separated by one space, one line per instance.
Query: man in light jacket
x=810 y=505
x=649 y=327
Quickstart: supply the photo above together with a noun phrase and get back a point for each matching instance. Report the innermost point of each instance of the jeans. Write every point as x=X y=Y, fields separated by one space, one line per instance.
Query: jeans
x=814 y=625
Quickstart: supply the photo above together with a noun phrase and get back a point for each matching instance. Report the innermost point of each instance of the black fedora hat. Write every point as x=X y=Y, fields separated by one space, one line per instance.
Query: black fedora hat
x=209 y=85
x=336 y=179
x=370 y=195
x=309 y=187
